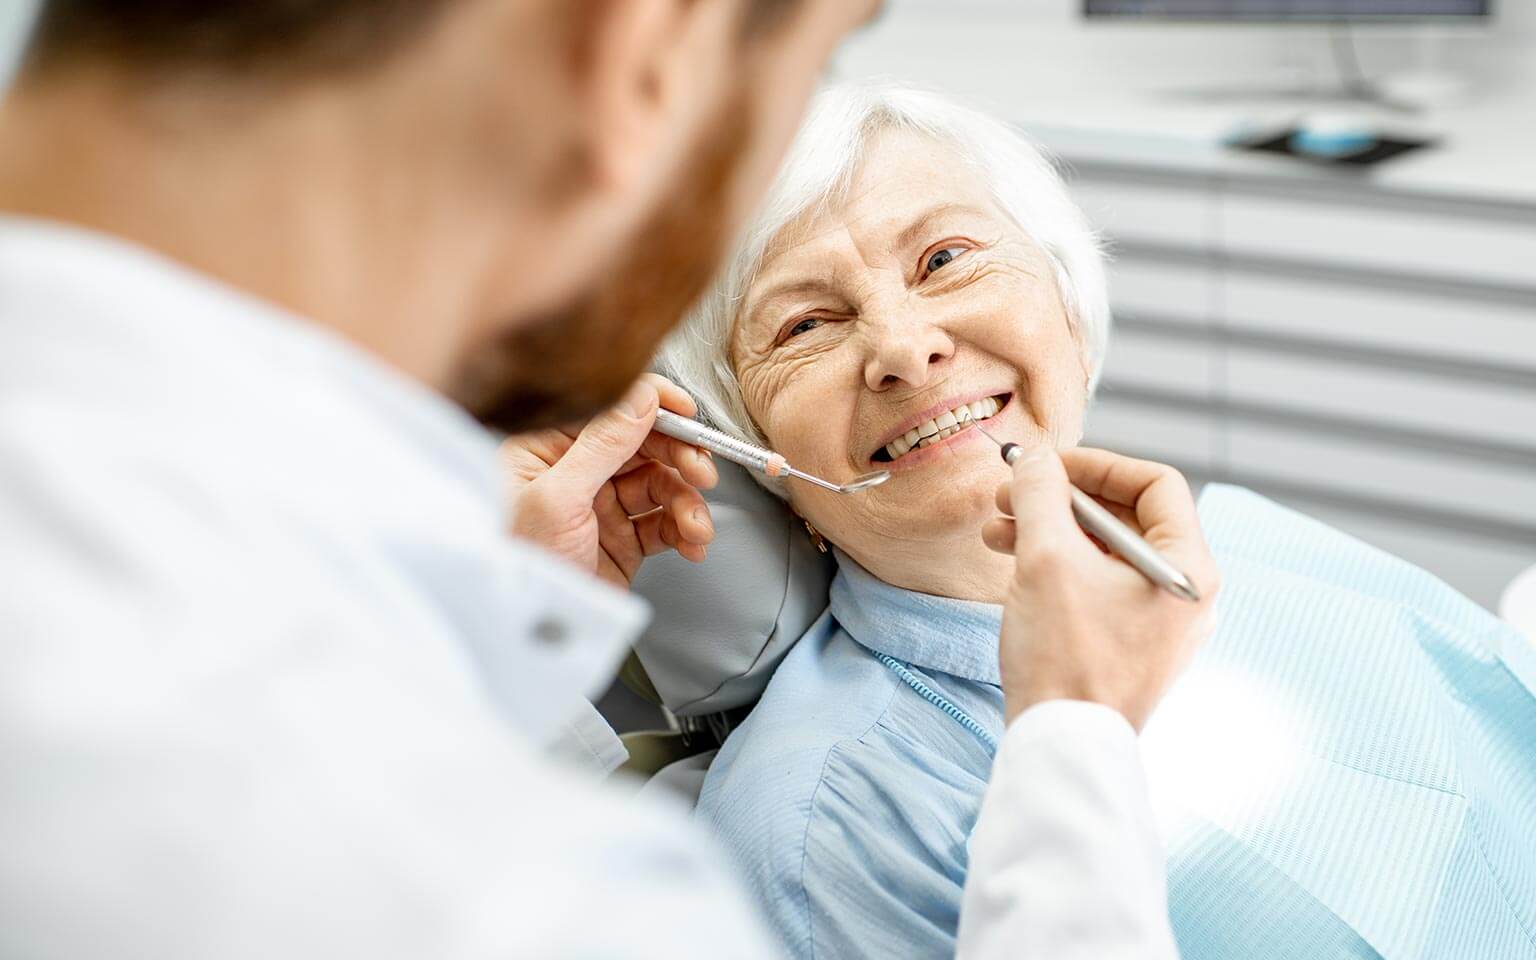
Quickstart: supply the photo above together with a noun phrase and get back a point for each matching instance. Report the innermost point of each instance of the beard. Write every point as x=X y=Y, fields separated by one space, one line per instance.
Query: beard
x=565 y=366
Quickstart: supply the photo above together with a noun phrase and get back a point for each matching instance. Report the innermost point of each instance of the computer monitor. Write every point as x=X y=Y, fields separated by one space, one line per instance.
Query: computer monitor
x=1280 y=11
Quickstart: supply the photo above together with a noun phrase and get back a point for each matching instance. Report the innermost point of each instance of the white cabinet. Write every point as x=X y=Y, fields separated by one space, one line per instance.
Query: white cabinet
x=1187 y=438
x=1369 y=358
x=1174 y=292
x=1143 y=359
x=1423 y=482
x=1355 y=389
x=1181 y=214
x=1401 y=317
x=1368 y=232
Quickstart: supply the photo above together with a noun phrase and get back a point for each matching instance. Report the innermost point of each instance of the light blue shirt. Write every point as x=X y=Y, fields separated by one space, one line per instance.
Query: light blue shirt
x=1348 y=770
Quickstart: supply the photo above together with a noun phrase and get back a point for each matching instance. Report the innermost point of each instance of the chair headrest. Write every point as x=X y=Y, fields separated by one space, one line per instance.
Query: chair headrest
x=721 y=627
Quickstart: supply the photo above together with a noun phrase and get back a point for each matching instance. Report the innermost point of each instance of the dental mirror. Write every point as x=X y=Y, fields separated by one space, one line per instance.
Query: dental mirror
x=751 y=456
x=855 y=485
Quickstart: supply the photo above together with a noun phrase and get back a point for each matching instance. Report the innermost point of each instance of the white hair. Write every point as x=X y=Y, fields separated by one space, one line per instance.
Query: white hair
x=820 y=168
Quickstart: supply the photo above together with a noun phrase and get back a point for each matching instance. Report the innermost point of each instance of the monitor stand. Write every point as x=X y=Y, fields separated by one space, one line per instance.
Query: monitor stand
x=1301 y=95
x=1421 y=89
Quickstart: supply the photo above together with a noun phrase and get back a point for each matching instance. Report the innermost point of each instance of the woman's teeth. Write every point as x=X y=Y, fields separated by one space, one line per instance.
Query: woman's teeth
x=946 y=424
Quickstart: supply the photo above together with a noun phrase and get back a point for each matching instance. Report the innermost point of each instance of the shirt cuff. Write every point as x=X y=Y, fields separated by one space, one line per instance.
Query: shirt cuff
x=1065 y=860
x=588 y=742
x=1082 y=717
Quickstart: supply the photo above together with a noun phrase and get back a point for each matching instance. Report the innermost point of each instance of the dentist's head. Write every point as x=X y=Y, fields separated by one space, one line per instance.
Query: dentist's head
x=510 y=200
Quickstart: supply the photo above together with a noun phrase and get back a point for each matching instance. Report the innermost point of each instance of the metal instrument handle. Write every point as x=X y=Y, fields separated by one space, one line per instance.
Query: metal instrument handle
x=1121 y=539
x=721 y=444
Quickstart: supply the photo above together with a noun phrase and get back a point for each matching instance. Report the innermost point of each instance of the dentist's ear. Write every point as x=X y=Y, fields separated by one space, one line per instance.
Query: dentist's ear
x=652 y=73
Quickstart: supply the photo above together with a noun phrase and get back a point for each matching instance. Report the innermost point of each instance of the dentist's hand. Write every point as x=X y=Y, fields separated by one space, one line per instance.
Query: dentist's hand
x=613 y=493
x=1080 y=624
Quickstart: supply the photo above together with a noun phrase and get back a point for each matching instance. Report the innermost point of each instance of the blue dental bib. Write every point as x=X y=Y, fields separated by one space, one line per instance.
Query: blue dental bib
x=1374 y=793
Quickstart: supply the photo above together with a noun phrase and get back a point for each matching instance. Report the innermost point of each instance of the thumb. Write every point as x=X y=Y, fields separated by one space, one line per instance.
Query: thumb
x=1042 y=502
x=606 y=443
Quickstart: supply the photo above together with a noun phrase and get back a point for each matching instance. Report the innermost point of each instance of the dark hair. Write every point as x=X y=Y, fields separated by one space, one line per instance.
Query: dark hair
x=227 y=36
x=293 y=37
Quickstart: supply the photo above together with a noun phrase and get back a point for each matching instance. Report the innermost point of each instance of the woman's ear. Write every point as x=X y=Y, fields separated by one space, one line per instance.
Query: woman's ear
x=1070 y=313
x=1076 y=330
x=816 y=537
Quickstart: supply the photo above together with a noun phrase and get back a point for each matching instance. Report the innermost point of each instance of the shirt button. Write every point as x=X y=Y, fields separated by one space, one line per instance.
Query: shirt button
x=550 y=632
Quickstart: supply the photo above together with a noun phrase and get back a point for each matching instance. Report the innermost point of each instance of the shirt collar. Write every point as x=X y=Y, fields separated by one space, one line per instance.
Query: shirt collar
x=355 y=456
x=957 y=637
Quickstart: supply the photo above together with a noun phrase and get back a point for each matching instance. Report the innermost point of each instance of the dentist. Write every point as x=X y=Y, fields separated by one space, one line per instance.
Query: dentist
x=273 y=679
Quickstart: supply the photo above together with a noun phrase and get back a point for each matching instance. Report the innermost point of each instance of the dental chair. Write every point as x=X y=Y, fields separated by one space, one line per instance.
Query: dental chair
x=720 y=629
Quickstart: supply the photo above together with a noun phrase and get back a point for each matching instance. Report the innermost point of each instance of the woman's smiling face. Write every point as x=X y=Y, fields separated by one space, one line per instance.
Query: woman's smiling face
x=886 y=313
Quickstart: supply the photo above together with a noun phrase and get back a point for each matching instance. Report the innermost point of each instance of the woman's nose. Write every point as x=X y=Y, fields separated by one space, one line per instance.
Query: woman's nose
x=906 y=353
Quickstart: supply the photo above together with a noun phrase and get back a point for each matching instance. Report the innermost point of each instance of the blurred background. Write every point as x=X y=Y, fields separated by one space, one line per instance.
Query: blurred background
x=1323 y=218
x=14 y=17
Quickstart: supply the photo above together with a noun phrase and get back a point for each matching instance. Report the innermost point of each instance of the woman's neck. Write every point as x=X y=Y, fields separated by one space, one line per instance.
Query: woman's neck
x=961 y=567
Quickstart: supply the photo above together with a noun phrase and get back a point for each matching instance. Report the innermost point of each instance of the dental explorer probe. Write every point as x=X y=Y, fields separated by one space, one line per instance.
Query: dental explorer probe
x=1092 y=516
x=751 y=456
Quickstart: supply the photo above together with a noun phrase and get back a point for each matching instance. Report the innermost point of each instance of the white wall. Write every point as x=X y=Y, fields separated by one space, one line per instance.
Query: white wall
x=982 y=48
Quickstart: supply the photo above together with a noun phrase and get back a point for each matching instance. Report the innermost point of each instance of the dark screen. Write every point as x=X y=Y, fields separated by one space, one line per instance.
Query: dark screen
x=1286 y=9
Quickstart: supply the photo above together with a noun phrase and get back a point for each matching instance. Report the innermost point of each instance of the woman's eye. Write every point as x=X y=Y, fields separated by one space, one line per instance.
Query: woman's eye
x=803 y=325
x=942 y=257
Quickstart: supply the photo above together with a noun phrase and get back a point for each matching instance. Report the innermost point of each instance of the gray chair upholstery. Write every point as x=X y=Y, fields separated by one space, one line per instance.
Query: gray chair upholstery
x=681 y=780
x=721 y=627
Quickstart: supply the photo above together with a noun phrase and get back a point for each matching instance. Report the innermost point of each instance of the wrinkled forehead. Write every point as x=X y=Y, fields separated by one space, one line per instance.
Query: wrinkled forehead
x=905 y=190
x=900 y=177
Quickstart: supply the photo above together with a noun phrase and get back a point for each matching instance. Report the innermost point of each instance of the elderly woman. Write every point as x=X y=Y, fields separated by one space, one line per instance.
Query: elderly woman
x=1347 y=770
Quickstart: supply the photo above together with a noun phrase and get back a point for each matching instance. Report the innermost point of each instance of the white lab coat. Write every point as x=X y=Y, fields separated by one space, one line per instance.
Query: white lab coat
x=274 y=683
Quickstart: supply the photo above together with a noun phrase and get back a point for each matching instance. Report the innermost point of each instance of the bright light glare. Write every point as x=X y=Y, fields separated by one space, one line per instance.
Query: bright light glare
x=1222 y=745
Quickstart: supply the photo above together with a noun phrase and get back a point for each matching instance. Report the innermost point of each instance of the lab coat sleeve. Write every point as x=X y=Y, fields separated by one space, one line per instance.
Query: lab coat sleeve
x=1065 y=859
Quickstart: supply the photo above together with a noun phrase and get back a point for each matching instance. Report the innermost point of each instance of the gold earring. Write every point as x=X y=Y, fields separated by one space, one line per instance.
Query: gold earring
x=816 y=537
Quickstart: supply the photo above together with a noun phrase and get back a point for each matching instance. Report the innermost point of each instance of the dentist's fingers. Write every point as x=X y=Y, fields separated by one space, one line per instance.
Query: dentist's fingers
x=1042 y=507
x=1158 y=494
x=673 y=397
x=608 y=493
x=694 y=464
x=999 y=534
x=528 y=455
x=1112 y=477
x=657 y=485
x=1078 y=625
x=627 y=541
x=658 y=532
x=1126 y=515
x=544 y=448
x=616 y=533
x=620 y=438
x=607 y=443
